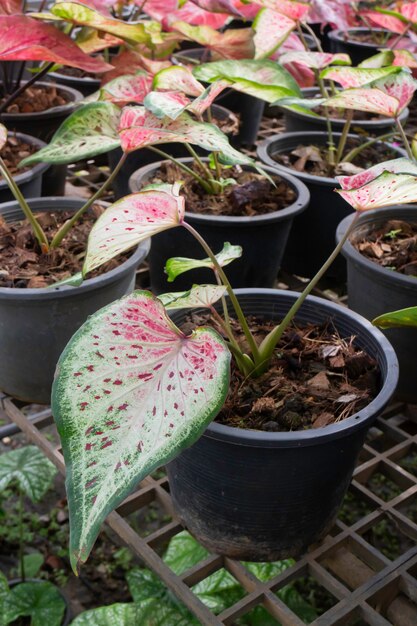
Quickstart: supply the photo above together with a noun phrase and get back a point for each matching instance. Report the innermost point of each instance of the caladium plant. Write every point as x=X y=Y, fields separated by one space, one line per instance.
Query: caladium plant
x=132 y=390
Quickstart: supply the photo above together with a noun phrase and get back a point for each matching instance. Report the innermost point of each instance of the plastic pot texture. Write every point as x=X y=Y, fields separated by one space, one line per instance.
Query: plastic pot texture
x=36 y=324
x=262 y=237
x=312 y=237
x=66 y=620
x=84 y=84
x=145 y=156
x=264 y=496
x=43 y=125
x=29 y=181
x=373 y=290
x=340 y=41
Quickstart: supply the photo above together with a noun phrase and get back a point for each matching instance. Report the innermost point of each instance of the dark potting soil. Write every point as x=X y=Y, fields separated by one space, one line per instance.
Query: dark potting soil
x=312 y=159
x=316 y=378
x=22 y=264
x=37 y=98
x=393 y=245
x=370 y=37
x=13 y=152
x=251 y=195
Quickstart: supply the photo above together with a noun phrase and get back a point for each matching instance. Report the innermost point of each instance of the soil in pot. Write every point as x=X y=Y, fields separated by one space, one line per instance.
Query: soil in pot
x=14 y=151
x=37 y=98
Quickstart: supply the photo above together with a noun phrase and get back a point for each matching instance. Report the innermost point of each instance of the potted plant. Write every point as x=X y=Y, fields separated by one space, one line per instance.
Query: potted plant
x=133 y=391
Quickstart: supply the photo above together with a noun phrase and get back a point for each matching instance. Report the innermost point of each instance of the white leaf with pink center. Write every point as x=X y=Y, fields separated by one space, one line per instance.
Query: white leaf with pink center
x=314 y=60
x=357 y=76
x=386 y=190
x=369 y=100
x=271 y=30
x=402 y=165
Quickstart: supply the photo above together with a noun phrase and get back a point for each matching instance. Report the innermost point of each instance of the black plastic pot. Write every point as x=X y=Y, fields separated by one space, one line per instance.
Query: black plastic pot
x=66 y=620
x=262 y=496
x=295 y=121
x=29 y=181
x=43 y=125
x=373 y=290
x=262 y=237
x=144 y=156
x=340 y=41
x=36 y=324
x=312 y=236
x=84 y=84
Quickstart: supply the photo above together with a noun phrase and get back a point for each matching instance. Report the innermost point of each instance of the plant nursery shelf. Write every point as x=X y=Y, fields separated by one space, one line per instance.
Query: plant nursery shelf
x=371 y=580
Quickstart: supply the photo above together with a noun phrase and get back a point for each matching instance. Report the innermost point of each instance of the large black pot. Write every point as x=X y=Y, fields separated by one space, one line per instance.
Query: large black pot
x=29 y=181
x=144 y=156
x=43 y=125
x=262 y=496
x=340 y=41
x=312 y=236
x=373 y=290
x=36 y=324
x=262 y=237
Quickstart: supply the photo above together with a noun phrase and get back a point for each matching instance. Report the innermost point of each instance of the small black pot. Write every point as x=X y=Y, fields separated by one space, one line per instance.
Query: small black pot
x=340 y=41
x=66 y=620
x=262 y=237
x=84 y=84
x=144 y=156
x=313 y=233
x=43 y=125
x=262 y=496
x=373 y=290
x=29 y=181
x=36 y=324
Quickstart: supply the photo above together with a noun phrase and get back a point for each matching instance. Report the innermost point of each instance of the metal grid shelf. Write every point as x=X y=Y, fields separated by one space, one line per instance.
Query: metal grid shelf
x=370 y=583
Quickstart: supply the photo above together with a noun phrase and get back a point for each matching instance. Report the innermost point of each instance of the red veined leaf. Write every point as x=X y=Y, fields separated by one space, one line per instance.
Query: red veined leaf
x=3 y=136
x=357 y=76
x=235 y=43
x=303 y=75
x=196 y=297
x=228 y=7
x=125 y=89
x=169 y=11
x=177 y=78
x=129 y=221
x=206 y=99
x=389 y=22
x=176 y=266
x=315 y=60
x=365 y=99
x=387 y=189
x=25 y=39
x=394 y=166
x=409 y=11
x=129 y=62
x=400 y=86
x=290 y=8
x=271 y=30
x=131 y=392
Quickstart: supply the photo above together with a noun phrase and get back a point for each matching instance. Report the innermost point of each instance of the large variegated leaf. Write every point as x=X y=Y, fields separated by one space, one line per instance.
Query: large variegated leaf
x=129 y=62
x=170 y=11
x=166 y=103
x=400 y=86
x=25 y=39
x=112 y=615
x=178 y=265
x=397 y=319
x=10 y=7
x=404 y=58
x=198 y=296
x=3 y=136
x=131 y=392
x=386 y=190
x=89 y=131
x=291 y=8
x=234 y=43
x=139 y=128
x=362 y=99
x=263 y=79
x=314 y=60
x=382 y=59
x=402 y=165
x=124 y=89
x=29 y=468
x=271 y=30
x=389 y=22
x=409 y=11
x=41 y=601
x=219 y=6
x=357 y=76
x=177 y=78
x=131 y=220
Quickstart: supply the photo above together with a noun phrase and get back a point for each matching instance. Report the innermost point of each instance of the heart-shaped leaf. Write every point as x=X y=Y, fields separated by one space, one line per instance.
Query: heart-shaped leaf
x=177 y=78
x=362 y=99
x=41 y=601
x=131 y=220
x=402 y=165
x=178 y=265
x=3 y=136
x=314 y=60
x=131 y=392
x=357 y=76
x=234 y=43
x=400 y=86
x=112 y=615
x=29 y=468
x=89 y=131
x=196 y=297
x=125 y=89
x=397 y=319
x=25 y=39
x=271 y=30
x=386 y=190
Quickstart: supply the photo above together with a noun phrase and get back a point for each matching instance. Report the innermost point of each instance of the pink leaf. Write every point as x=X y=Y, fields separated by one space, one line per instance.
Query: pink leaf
x=362 y=99
x=235 y=43
x=290 y=8
x=125 y=89
x=271 y=30
x=167 y=12
x=315 y=60
x=394 y=166
x=129 y=62
x=10 y=7
x=409 y=11
x=304 y=76
x=386 y=190
x=400 y=86
x=178 y=78
x=228 y=7
x=25 y=39
x=357 y=76
x=389 y=22
x=166 y=103
x=338 y=13
x=404 y=58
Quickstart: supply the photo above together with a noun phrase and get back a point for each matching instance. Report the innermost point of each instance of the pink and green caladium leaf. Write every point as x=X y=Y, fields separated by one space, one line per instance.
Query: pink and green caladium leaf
x=387 y=189
x=404 y=58
x=169 y=11
x=314 y=60
x=400 y=86
x=173 y=104
x=397 y=319
x=228 y=7
x=234 y=43
x=382 y=59
x=177 y=78
x=196 y=297
x=394 y=23
x=178 y=265
x=124 y=89
x=131 y=220
x=25 y=39
x=3 y=136
x=402 y=165
x=131 y=392
x=363 y=99
x=89 y=131
x=271 y=30
x=139 y=128
x=264 y=79
x=292 y=9
x=349 y=77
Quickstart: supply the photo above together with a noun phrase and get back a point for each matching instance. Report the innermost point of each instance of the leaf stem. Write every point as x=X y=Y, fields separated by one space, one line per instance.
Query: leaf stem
x=182 y=166
x=404 y=138
x=313 y=34
x=202 y=165
x=344 y=135
x=355 y=151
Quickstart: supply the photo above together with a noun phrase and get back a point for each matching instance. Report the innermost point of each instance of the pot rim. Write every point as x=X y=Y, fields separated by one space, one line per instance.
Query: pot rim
x=88 y=79
x=313 y=436
x=69 y=107
x=338 y=35
x=66 y=291
x=300 y=203
x=303 y=137
x=34 y=170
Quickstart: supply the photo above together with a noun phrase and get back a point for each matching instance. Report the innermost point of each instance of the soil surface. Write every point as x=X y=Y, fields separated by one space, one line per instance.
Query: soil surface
x=37 y=98
x=312 y=159
x=24 y=265
x=13 y=152
x=370 y=37
x=251 y=195
x=316 y=378
x=393 y=245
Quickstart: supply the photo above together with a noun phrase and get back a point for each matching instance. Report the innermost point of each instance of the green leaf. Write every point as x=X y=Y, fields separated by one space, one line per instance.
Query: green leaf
x=73 y=281
x=177 y=78
x=89 y=131
x=4 y=592
x=40 y=600
x=386 y=57
x=178 y=265
x=29 y=468
x=32 y=564
x=113 y=615
x=131 y=392
x=198 y=296
x=397 y=319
